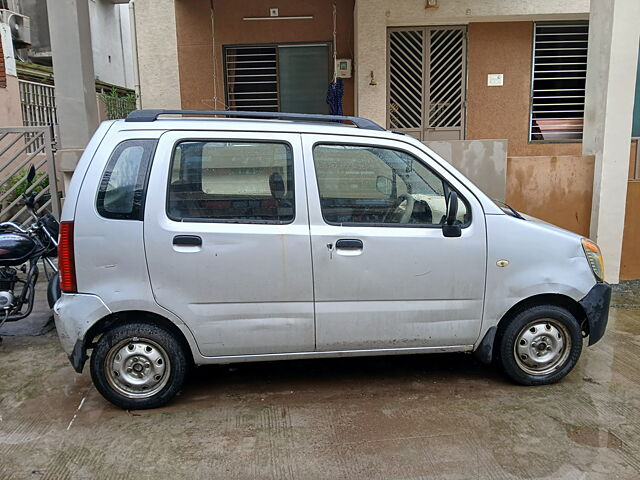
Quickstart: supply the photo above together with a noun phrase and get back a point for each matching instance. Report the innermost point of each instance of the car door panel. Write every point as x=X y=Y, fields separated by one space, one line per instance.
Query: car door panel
x=408 y=286
x=244 y=288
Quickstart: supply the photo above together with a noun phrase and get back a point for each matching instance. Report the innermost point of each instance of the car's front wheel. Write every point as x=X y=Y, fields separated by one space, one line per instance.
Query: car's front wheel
x=540 y=345
x=138 y=365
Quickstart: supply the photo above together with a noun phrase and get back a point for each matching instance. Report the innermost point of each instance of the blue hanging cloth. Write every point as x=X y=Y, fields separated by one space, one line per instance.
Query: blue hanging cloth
x=334 y=97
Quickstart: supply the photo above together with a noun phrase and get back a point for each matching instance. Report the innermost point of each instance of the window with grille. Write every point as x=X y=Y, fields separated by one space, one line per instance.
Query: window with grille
x=558 y=81
x=272 y=78
x=252 y=78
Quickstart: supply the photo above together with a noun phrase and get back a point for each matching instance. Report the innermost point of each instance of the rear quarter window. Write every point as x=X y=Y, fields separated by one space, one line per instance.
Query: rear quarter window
x=122 y=187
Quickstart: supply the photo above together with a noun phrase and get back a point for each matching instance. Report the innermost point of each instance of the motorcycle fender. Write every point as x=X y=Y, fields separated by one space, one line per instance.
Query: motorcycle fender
x=53 y=290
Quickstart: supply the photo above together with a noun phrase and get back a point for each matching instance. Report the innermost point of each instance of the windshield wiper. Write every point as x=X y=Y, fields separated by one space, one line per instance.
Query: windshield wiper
x=511 y=209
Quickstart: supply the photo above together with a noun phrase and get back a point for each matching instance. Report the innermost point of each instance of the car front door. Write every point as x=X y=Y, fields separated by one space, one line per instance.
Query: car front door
x=385 y=276
x=227 y=240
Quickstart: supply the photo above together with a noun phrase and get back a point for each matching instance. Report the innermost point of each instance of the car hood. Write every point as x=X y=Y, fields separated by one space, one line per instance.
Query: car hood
x=550 y=226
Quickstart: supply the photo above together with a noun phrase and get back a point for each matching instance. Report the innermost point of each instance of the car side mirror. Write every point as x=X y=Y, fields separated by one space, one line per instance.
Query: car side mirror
x=384 y=185
x=450 y=228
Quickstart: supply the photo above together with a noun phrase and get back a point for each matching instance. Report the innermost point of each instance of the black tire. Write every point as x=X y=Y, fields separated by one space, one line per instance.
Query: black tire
x=531 y=328
x=114 y=347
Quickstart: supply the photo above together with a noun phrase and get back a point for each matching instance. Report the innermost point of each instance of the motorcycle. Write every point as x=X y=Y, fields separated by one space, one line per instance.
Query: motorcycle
x=21 y=249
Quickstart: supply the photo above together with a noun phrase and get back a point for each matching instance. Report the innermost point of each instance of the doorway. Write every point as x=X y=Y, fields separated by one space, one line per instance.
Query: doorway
x=426 y=92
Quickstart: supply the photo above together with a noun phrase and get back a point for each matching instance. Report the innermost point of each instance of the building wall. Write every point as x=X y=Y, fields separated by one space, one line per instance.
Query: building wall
x=156 y=44
x=111 y=42
x=630 y=264
x=10 y=109
x=372 y=18
x=556 y=189
x=200 y=57
x=503 y=112
x=110 y=38
x=194 y=27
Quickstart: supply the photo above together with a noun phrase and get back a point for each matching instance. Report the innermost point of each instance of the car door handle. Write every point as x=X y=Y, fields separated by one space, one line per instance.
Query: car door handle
x=349 y=244
x=187 y=241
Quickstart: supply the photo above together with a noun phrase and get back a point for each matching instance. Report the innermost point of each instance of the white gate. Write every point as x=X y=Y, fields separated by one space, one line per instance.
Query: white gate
x=427 y=77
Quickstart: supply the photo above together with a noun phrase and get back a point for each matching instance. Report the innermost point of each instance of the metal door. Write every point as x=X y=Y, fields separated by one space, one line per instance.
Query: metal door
x=427 y=79
x=241 y=286
x=385 y=287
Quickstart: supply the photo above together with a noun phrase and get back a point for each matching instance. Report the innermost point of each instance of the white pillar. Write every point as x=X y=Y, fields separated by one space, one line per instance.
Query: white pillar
x=157 y=52
x=370 y=29
x=614 y=33
x=75 y=89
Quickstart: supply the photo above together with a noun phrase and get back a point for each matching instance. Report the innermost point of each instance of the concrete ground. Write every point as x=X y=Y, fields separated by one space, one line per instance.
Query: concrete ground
x=438 y=416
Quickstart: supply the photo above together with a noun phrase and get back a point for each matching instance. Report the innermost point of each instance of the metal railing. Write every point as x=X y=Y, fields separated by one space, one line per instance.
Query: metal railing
x=118 y=106
x=21 y=147
x=38 y=107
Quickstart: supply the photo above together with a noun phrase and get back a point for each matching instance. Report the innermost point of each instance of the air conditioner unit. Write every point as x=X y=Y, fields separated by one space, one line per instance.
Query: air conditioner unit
x=20 y=26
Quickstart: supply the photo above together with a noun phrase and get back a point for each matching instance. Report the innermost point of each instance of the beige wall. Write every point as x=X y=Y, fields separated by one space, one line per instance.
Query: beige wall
x=157 y=53
x=10 y=109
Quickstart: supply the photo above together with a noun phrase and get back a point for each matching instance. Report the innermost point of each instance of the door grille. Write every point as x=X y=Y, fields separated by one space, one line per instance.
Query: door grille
x=446 y=78
x=406 y=67
x=426 y=73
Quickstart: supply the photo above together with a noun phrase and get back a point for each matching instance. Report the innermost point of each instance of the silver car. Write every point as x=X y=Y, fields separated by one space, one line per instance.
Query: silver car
x=187 y=241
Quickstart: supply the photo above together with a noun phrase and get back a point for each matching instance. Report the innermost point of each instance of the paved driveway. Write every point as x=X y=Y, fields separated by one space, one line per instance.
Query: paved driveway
x=438 y=416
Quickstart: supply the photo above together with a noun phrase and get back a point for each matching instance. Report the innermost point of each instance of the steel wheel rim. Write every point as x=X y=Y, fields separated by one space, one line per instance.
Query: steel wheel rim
x=137 y=367
x=542 y=346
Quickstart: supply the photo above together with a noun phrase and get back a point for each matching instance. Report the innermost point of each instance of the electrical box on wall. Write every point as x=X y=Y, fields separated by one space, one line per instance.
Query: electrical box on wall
x=343 y=68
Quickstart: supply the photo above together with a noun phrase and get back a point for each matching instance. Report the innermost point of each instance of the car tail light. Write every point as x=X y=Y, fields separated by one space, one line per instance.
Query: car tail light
x=66 y=260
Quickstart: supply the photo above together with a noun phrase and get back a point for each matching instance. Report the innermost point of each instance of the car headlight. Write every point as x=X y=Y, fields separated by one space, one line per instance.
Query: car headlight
x=594 y=257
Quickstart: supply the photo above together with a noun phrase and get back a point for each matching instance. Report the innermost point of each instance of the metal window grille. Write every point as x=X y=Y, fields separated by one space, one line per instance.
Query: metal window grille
x=118 y=107
x=38 y=107
x=558 y=81
x=252 y=78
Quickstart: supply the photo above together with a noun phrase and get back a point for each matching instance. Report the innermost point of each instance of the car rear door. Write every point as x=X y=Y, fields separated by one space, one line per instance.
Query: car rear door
x=227 y=240
x=382 y=281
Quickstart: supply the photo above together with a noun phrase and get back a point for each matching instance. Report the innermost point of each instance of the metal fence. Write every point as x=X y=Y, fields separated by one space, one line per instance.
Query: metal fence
x=118 y=106
x=21 y=147
x=38 y=107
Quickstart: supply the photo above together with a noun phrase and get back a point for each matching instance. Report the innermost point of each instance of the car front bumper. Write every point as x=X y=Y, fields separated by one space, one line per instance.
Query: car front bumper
x=596 y=307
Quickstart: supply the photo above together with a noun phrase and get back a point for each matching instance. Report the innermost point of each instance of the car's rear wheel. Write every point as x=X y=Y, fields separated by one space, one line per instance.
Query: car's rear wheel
x=138 y=365
x=540 y=345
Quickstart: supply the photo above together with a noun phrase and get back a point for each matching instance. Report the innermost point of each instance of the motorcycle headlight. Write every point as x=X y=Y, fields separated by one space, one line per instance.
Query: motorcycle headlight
x=594 y=257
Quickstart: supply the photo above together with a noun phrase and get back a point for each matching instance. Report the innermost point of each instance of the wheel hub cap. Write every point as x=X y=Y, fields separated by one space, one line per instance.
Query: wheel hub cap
x=542 y=346
x=137 y=368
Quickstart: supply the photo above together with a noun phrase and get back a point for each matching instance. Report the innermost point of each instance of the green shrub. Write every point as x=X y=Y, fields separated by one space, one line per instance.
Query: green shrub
x=19 y=177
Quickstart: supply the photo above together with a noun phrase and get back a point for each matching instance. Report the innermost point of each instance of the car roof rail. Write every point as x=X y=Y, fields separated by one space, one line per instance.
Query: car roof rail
x=152 y=116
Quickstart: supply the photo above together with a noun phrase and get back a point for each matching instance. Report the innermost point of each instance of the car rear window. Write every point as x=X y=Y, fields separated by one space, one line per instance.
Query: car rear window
x=121 y=191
